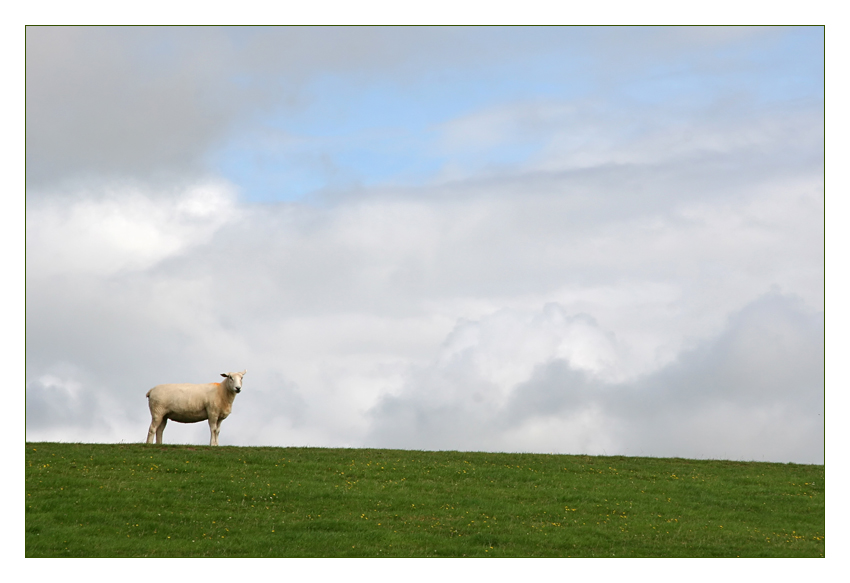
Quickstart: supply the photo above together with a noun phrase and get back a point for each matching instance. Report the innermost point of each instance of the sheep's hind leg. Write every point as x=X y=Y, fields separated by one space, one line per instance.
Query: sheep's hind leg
x=154 y=430
x=160 y=429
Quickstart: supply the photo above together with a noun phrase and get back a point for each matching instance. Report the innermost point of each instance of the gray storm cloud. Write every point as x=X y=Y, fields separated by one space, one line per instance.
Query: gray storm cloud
x=643 y=283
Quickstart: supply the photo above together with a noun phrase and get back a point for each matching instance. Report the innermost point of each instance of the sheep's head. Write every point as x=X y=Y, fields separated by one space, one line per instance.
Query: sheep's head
x=234 y=380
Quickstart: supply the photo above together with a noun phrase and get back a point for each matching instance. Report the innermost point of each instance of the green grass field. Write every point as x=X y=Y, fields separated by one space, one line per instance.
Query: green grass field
x=96 y=500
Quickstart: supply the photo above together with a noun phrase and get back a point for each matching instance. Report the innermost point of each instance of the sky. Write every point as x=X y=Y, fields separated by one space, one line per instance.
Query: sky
x=559 y=240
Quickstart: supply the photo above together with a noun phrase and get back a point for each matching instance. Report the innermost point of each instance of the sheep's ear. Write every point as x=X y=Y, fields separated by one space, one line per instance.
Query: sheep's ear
x=224 y=374
x=244 y=371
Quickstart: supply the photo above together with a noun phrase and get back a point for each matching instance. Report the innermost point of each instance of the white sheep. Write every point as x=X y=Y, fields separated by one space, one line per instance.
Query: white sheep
x=187 y=403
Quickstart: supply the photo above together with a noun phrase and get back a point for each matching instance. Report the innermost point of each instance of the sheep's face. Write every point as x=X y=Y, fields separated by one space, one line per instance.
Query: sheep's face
x=234 y=379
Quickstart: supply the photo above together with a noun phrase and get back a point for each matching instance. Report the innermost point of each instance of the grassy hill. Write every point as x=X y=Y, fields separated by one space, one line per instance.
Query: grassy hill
x=133 y=500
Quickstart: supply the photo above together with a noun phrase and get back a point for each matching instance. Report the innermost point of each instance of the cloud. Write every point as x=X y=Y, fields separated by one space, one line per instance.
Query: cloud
x=119 y=102
x=121 y=228
x=540 y=136
x=753 y=392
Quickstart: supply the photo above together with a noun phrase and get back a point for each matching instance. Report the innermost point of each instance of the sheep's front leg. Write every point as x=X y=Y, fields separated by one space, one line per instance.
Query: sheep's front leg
x=215 y=427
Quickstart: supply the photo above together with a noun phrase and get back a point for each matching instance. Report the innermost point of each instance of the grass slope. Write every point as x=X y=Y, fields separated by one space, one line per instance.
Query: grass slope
x=95 y=500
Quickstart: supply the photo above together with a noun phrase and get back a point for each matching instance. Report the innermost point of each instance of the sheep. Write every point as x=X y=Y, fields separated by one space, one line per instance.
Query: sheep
x=187 y=403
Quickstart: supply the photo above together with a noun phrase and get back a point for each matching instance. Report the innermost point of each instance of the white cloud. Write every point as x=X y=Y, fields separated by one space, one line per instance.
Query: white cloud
x=121 y=229
x=753 y=392
x=556 y=136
